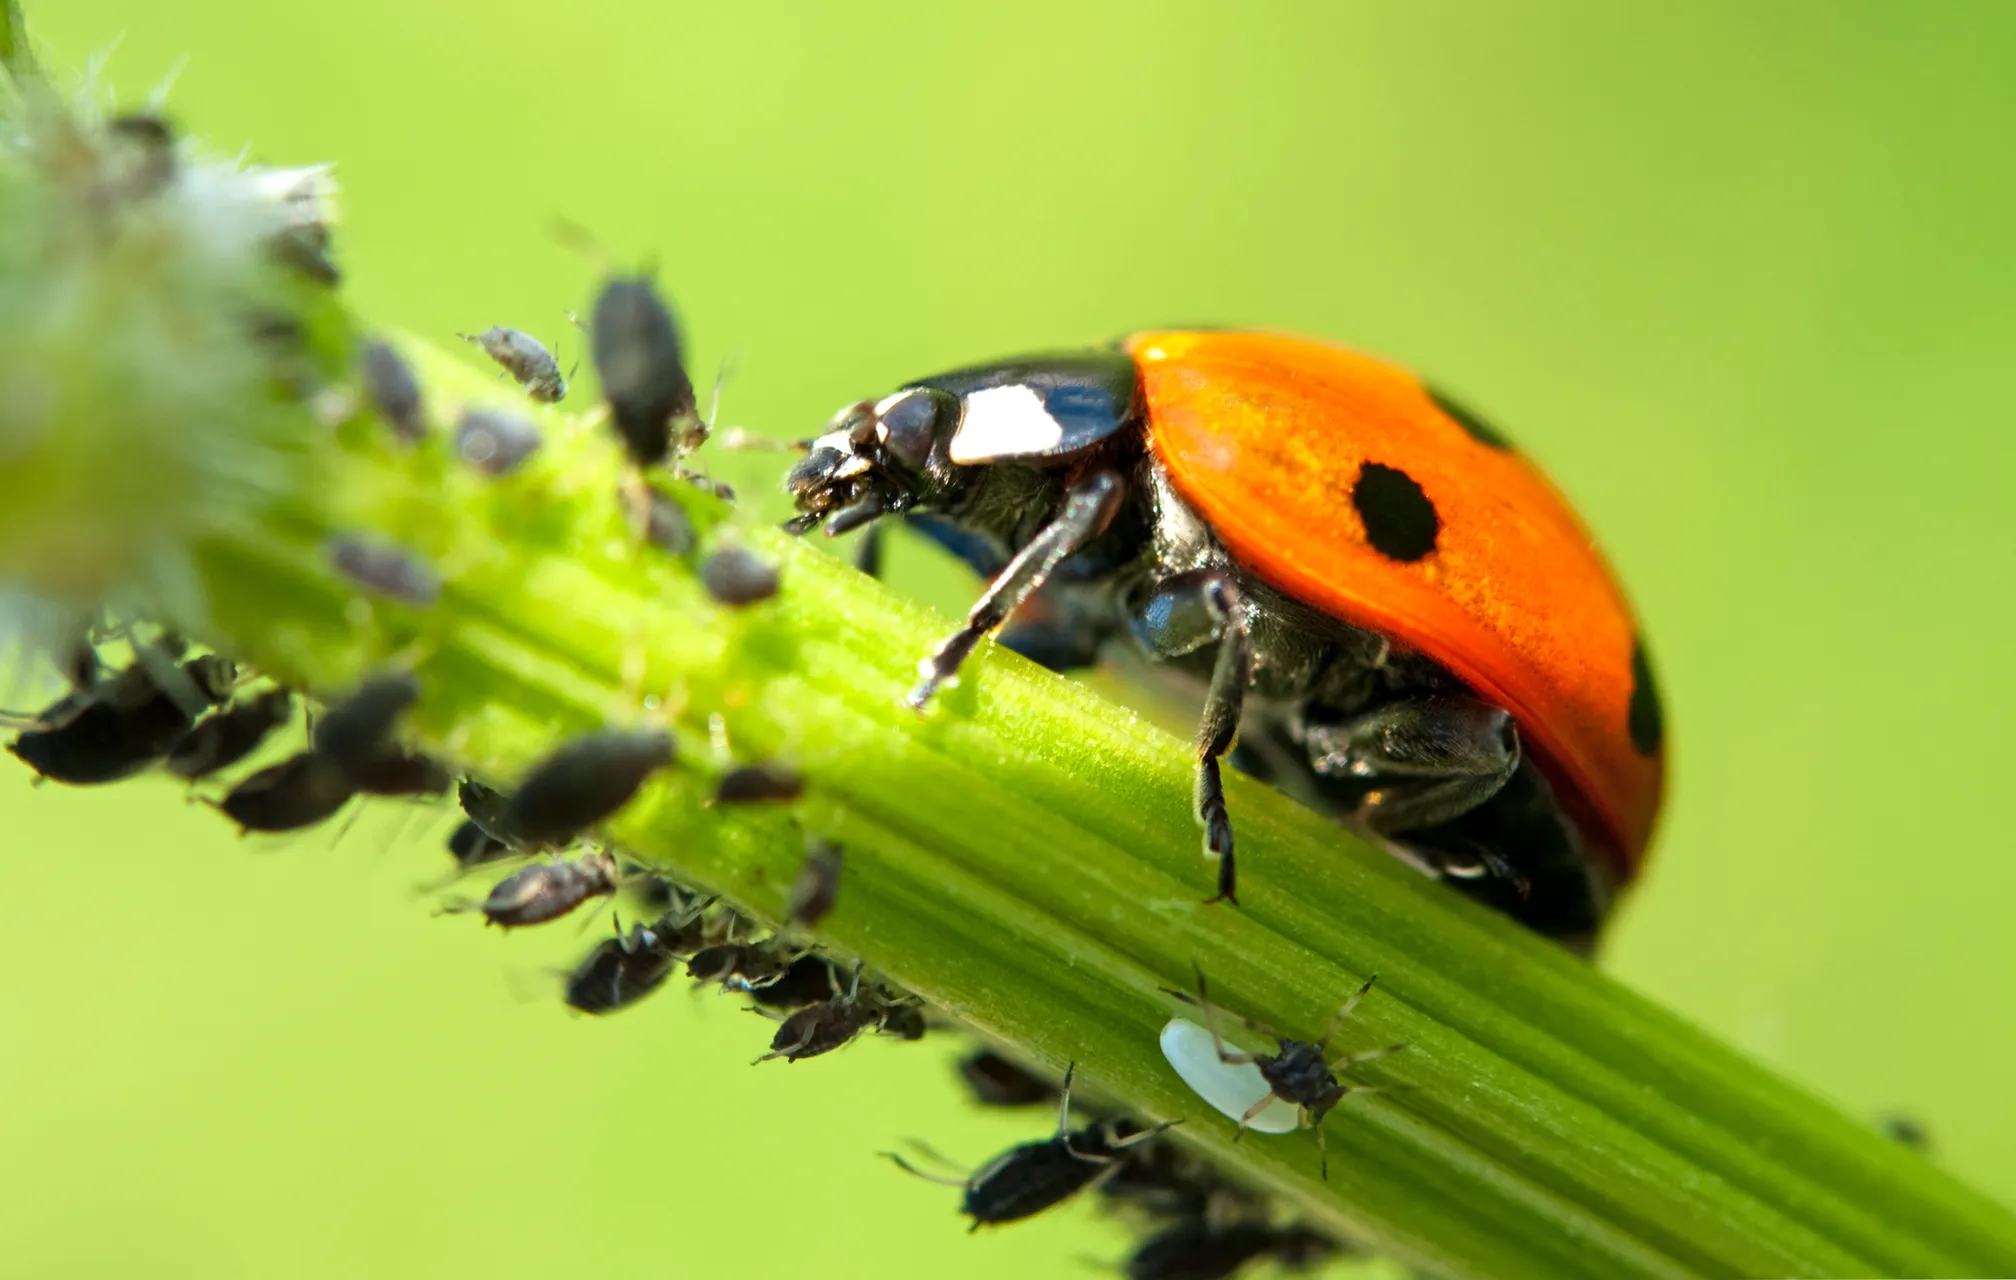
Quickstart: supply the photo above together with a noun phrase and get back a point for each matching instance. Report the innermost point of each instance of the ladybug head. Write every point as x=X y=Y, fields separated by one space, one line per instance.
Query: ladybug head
x=876 y=457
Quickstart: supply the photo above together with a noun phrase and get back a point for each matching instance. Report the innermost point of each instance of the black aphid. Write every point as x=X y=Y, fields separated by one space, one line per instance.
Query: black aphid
x=1031 y=1177
x=996 y=1081
x=358 y=730
x=817 y=887
x=226 y=736
x=151 y=166
x=525 y=358
x=485 y=807
x=622 y=970
x=738 y=966
x=385 y=570
x=808 y=980
x=836 y=1021
x=471 y=846
x=400 y=772
x=495 y=441
x=394 y=391
x=582 y=783
x=759 y=784
x=666 y=525
x=300 y=791
x=1297 y=1071
x=549 y=890
x=1198 y=1249
x=117 y=727
x=640 y=360
x=738 y=577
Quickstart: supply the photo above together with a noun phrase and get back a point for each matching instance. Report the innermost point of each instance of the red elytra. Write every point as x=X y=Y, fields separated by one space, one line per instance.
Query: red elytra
x=1264 y=435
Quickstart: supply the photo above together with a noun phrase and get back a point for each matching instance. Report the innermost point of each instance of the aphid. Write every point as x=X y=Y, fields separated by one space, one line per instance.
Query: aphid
x=759 y=784
x=386 y=570
x=495 y=441
x=229 y=734
x=808 y=980
x=1197 y=1249
x=1296 y=1072
x=548 y=890
x=471 y=846
x=738 y=966
x=1906 y=1130
x=1447 y=661
x=1031 y=1177
x=823 y=1027
x=358 y=730
x=666 y=525
x=402 y=773
x=525 y=358
x=300 y=791
x=638 y=356
x=1163 y=1180
x=817 y=887
x=995 y=1081
x=117 y=727
x=580 y=785
x=485 y=806
x=709 y=485
x=621 y=970
x=738 y=577
x=395 y=391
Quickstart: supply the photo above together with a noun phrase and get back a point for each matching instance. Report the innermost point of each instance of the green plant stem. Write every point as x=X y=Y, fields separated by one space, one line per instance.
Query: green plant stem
x=1024 y=857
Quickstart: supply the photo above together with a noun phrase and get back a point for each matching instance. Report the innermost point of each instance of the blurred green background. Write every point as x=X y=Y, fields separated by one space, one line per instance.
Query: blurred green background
x=1739 y=274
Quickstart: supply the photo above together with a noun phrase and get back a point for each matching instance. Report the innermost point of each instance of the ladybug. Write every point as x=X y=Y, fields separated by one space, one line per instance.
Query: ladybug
x=1394 y=612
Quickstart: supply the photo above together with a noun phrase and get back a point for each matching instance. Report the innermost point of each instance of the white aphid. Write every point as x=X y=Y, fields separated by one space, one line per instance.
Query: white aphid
x=1230 y=1088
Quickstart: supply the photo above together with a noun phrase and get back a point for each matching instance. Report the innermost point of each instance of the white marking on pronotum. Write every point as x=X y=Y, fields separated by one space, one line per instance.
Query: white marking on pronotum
x=1230 y=1088
x=1004 y=422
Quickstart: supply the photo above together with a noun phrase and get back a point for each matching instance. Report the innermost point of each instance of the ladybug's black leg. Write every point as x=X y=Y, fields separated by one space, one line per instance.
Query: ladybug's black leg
x=1088 y=507
x=1180 y=616
x=1422 y=761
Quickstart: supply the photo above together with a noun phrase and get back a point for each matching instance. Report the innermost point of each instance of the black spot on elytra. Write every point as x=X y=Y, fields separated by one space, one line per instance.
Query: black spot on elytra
x=1400 y=522
x=1480 y=431
x=1643 y=717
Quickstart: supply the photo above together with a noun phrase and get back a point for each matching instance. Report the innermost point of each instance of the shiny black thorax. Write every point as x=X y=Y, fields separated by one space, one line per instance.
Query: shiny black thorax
x=1515 y=852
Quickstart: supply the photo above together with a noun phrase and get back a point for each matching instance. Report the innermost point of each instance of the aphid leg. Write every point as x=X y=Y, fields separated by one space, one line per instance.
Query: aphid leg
x=1255 y=1110
x=915 y=1172
x=1064 y=1103
x=1351 y=1060
x=1344 y=1011
x=1202 y=1000
x=1088 y=508
x=1220 y=727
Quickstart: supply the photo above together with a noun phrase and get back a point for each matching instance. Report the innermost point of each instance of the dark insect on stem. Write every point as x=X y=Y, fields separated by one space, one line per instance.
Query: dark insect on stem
x=228 y=735
x=356 y=731
x=738 y=577
x=115 y=728
x=549 y=890
x=484 y=806
x=641 y=363
x=807 y=980
x=759 y=784
x=1199 y=1249
x=1033 y=1176
x=385 y=570
x=821 y=1028
x=817 y=887
x=495 y=441
x=666 y=525
x=580 y=785
x=471 y=846
x=525 y=358
x=622 y=970
x=394 y=391
x=402 y=773
x=738 y=966
x=299 y=792
x=1297 y=1072
x=996 y=1081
